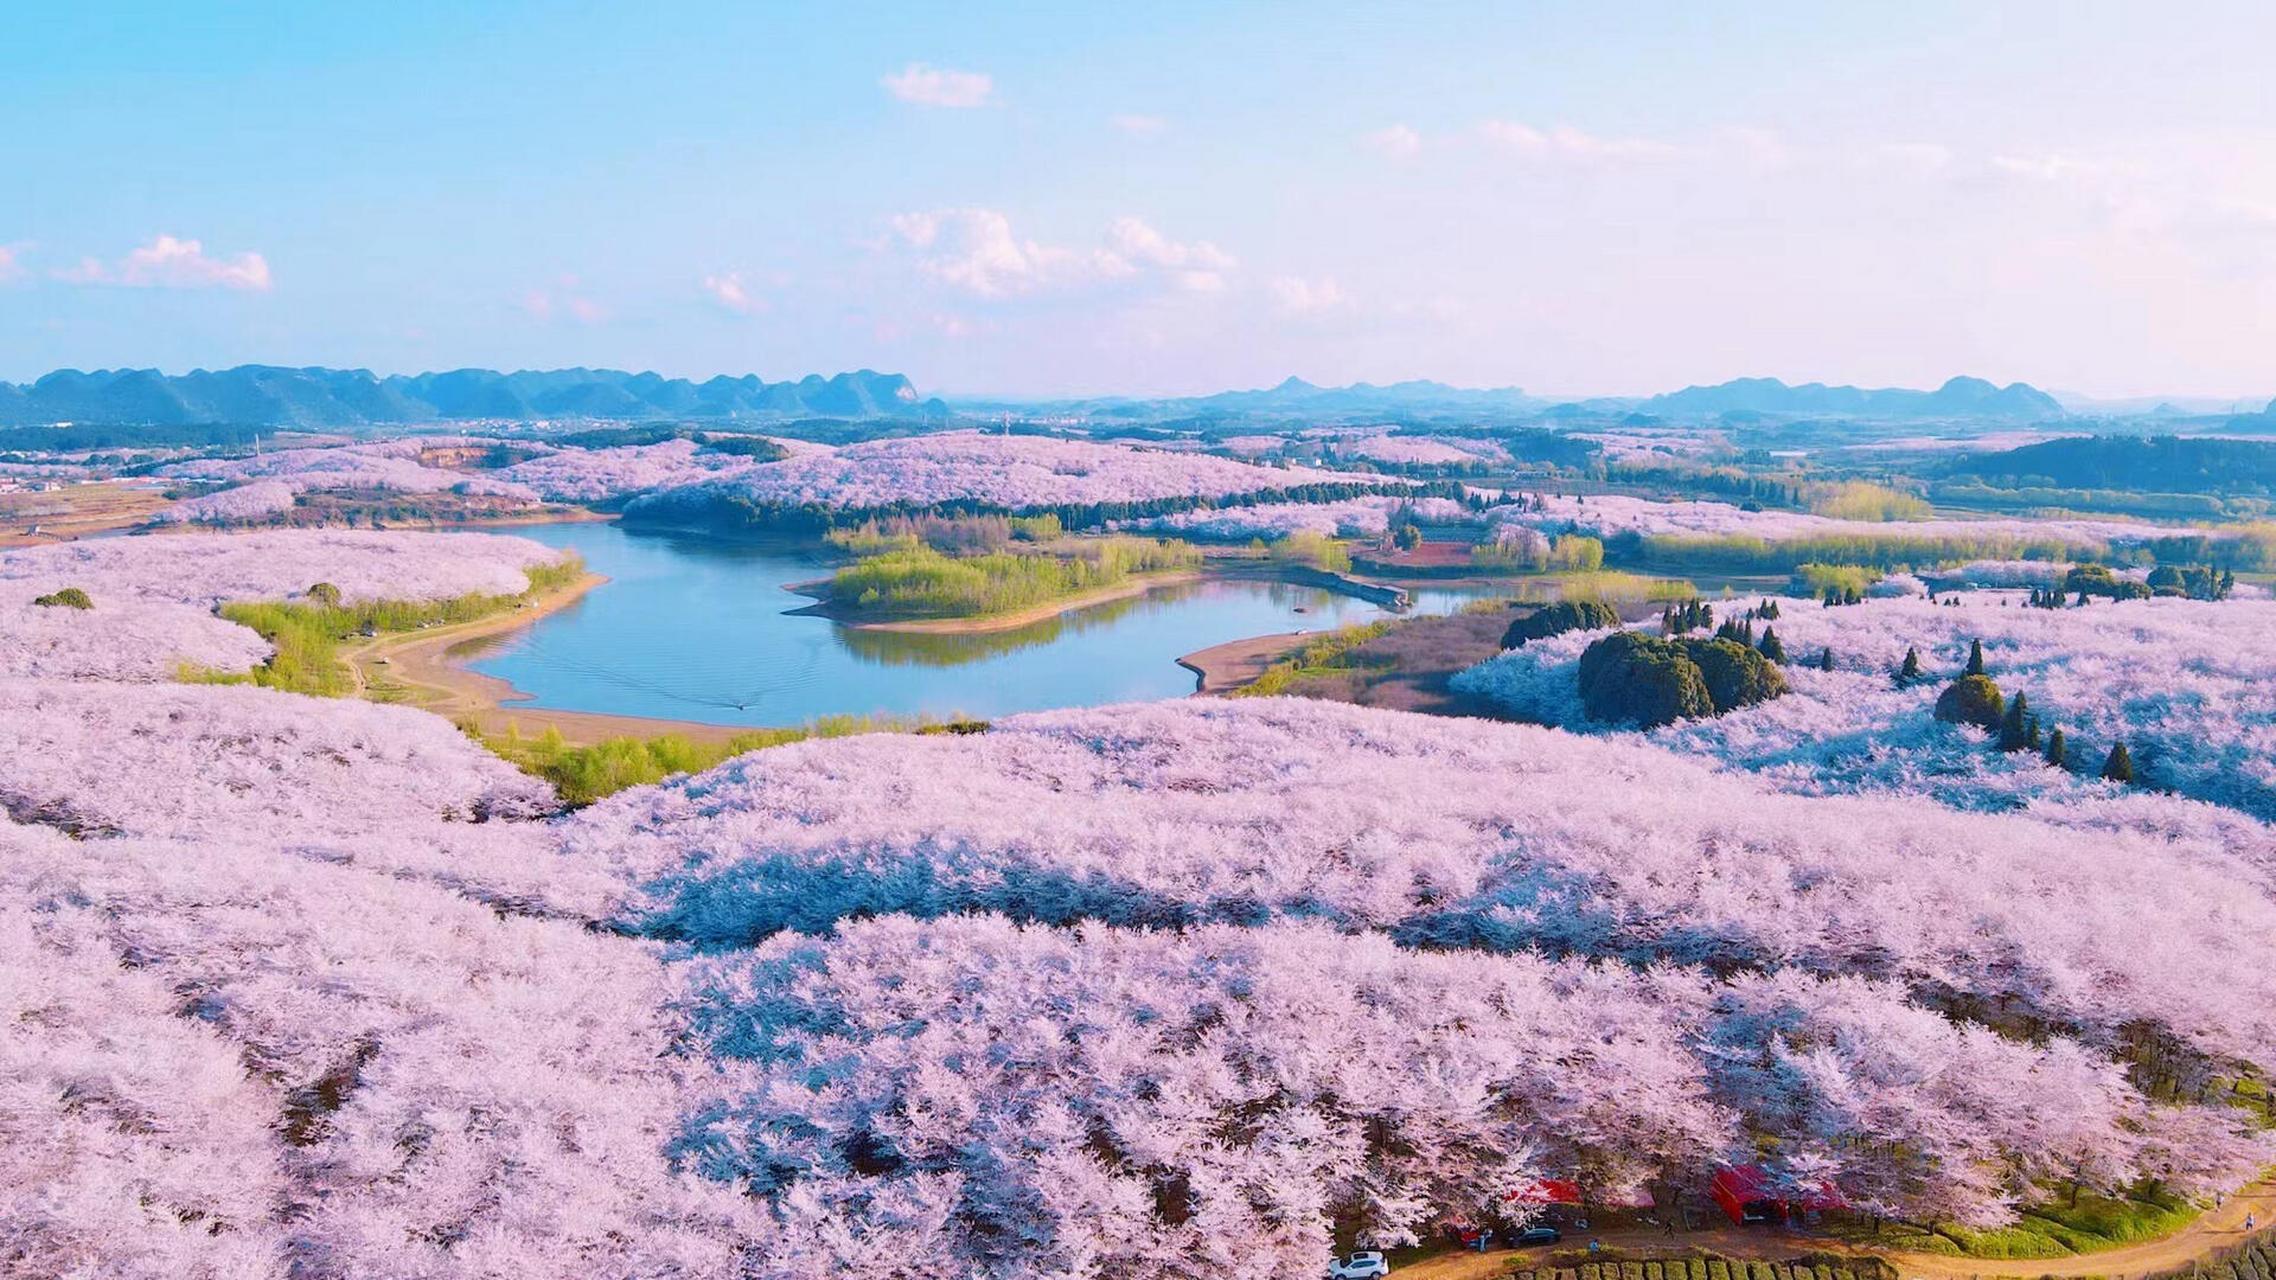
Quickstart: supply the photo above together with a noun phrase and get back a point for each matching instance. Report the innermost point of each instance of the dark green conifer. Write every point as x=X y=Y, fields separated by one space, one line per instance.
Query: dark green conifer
x=2119 y=767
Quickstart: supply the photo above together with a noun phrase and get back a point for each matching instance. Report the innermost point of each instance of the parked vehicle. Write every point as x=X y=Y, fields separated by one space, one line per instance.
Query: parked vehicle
x=1367 y=1264
x=1537 y=1235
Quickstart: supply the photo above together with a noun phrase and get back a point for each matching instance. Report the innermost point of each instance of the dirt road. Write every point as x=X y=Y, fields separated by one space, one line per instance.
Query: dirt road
x=2211 y=1232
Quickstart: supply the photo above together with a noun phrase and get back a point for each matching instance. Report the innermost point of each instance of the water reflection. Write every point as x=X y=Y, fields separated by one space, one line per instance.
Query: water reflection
x=691 y=628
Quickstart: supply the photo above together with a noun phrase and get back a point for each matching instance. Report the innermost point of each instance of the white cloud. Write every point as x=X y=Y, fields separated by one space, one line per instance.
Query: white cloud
x=1297 y=296
x=1564 y=142
x=1397 y=141
x=11 y=261
x=168 y=262
x=1138 y=126
x=939 y=87
x=728 y=290
x=1134 y=247
x=564 y=300
x=977 y=251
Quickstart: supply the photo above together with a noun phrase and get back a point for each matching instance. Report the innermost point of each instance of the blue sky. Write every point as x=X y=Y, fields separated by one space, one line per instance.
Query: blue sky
x=1159 y=198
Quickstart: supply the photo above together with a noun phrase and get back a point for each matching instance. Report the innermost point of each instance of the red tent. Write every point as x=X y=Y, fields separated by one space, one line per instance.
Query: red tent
x=1547 y=1191
x=1747 y=1194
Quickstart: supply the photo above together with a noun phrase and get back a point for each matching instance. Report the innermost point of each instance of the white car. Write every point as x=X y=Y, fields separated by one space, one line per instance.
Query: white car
x=1367 y=1264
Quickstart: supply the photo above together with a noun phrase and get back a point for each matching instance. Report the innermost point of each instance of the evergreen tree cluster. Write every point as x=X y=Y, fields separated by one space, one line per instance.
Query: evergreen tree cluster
x=1558 y=618
x=1691 y=615
x=2097 y=580
x=1632 y=677
x=2196 y=582
x=1975 y=698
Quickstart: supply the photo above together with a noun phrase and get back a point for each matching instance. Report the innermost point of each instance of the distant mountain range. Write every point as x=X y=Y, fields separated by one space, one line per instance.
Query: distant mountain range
x=1958 y=398
x=1768 y=397
x=1412 y=396
x=326 y=398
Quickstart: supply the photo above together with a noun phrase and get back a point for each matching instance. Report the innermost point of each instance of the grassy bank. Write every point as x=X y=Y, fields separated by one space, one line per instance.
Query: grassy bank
x=583 y=774
x=307 y=635
x=2061 y=1225
x=1321 y=655
x=920 y=583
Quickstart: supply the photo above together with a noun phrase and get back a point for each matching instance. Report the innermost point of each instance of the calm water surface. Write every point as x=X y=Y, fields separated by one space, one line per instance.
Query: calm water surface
x=690 y=628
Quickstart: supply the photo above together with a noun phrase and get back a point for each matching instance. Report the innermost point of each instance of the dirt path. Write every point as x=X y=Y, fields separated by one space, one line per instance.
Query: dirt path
x=417 y=668
x=1236 y=662
x=2210 y=1232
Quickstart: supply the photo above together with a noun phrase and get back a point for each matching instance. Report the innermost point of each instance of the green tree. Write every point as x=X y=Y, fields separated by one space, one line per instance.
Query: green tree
x=1407 y=538
x=2119 y=765
x=2058 y=751
x=1971 y=700
x=324 y=593
x=1736 y=675
x=1772 y=647
x=1975 y=658
x=2015 y=726
x=1632 y=677
x=1558 y=618
x=1825 y=659
x=1909 y=674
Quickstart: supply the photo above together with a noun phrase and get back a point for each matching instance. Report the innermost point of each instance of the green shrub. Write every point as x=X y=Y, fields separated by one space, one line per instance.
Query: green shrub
x=1319 y=655
x=1312 y=550
x=1972 y=700
x=1558 y=618
x=67 y=598
x=919 y=582
x=324 y=593
x=1631 y=677
x=1736 y=676
x=1858 y=500
x=584 y=774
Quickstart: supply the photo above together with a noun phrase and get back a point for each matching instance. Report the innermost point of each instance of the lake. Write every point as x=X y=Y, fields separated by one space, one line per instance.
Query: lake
x=697 y=628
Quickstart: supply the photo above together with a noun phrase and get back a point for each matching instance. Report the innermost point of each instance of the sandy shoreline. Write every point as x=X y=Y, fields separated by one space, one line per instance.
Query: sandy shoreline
x=1236 y=662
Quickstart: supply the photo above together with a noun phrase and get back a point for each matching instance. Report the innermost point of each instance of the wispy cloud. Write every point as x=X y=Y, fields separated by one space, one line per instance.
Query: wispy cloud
x=728 y=290
x=1297 y=296
x=169 y=262
x=1396 y=141
x=1564 y=142
x=1139 y=126
x=12 y=261
x=928 y=86
x=976 y=251
x=563 y=300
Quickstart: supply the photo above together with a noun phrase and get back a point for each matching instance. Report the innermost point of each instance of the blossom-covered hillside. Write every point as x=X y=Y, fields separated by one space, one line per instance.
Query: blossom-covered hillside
x=390 y=465
x=2184 y=683
x=295 y=987
x=1351 y=518
x=1607 y=514
x=606 y=475
x=272 y=565
x=1007 y=472
x=153 y=597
